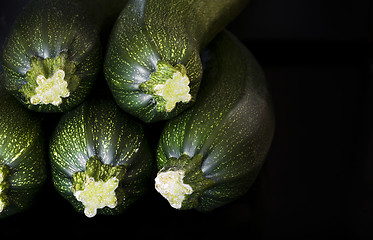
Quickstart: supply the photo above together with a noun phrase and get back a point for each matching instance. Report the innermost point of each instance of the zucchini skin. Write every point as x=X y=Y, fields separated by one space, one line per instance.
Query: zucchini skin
x=230 y=127
x=44 y=30
x=22 y=150
x=100 y=129
x=150 y=31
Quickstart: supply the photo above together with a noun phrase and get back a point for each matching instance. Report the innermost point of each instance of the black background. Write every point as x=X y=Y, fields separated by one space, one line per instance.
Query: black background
x=318 y=177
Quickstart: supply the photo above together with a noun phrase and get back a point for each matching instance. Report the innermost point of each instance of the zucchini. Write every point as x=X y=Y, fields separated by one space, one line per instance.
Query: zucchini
x=211 y=153
x=52 y=55
x=22 y=156
x=152 y=63
x=101 y=161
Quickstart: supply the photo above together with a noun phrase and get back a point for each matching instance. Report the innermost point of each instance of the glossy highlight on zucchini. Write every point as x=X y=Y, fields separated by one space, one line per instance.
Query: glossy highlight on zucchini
x=152 y=63
x=52 y=55
x=211 y=154
x=100 y=157
x=22 y=156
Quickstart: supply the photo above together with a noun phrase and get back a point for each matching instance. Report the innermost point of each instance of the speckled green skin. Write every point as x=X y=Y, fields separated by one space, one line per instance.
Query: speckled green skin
x=230 y=126
x=100 y=129
x=44 y=29
x=174 y=31
x=22 y=150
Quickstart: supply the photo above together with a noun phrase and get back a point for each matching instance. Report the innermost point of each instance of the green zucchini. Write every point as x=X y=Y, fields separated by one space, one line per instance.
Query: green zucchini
x=152 y=63
x=52 y=55
x=101 y=160
x=22 y=156
x=210 y=154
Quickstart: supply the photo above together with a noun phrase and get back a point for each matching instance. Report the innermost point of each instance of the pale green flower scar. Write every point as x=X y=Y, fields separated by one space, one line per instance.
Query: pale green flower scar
x=97 y=195
x=171 y=186
x=98 y=186
x=174 y=90
x=168 y=85
x=50 y=90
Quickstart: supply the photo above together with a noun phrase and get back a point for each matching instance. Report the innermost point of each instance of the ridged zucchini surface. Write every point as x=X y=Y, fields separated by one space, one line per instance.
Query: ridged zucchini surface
x=22 y=156
x=52 y=55
x=152 y=63
x=211 y=154
x=100 y=157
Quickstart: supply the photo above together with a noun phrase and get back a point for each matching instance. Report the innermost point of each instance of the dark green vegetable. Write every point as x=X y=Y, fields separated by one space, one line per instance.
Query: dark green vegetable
x=153 y=64
x=53 y=54
x=211 y=154
x=22 y=156
x=101 y=160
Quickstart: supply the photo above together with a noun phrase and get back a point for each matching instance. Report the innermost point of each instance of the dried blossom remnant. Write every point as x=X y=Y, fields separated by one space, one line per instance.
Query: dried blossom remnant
x=50 y=90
